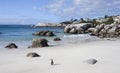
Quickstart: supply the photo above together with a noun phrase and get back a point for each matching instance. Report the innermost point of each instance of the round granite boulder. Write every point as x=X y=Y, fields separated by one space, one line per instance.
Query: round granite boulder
x=67 y=29
x=73 y=31
x=39 y=43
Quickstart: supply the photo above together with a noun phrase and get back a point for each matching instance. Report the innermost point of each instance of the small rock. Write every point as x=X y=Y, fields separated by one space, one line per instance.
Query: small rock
x=108 y=39
x=11 y=45
x=33 y=54
x=57 y=39
x=92 y=61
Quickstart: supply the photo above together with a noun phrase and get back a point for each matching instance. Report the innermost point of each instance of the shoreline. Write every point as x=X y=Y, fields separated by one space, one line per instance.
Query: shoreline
x=65 y=40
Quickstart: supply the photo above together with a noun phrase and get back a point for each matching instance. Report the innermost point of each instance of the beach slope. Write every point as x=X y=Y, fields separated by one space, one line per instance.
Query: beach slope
x=67 y=58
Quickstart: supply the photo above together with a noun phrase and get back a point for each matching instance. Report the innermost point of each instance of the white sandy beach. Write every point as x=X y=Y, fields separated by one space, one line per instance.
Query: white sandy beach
x=68 y=58
x=59 y=36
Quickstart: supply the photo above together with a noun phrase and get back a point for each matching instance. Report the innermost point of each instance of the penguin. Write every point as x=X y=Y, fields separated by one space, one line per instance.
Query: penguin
x=52 y=62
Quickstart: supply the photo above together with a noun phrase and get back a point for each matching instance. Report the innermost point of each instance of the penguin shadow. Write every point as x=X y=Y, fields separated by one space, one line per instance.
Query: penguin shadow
x=56 y=64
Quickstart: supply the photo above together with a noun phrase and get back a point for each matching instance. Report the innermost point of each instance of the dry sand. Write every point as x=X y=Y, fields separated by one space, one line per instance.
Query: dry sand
x=68 y=58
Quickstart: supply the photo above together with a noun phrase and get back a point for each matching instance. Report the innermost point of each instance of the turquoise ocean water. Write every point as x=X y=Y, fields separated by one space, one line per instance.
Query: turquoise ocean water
x=24 y=32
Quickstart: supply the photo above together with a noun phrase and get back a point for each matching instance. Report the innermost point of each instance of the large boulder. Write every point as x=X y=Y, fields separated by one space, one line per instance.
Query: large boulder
x=97 y=29
x=95 y=32
x=101 y=26
x=33 y=54
x=86 y=26
x=107 y=27
x=89 y=30
x=102 y=33
x=80 y=30
x=73 y=31
x=39 y=43
x=67 y=29
x=112 y=32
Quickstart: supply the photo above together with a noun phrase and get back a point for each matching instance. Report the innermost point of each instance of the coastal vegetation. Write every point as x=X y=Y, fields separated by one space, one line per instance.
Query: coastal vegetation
x=106 y=20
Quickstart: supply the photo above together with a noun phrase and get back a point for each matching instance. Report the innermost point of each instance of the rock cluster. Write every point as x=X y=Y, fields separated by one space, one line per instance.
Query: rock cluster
x=11 y=45
x=39 y=43
x=78 y=28
x=44 y=33
x=106 y=31
x=102 y=30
